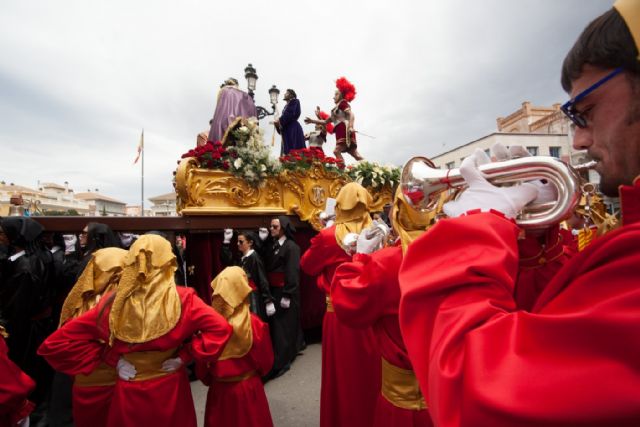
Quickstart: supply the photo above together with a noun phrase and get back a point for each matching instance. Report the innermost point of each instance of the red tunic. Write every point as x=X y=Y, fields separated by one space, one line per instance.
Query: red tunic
x=240 y=402
x=571 y=360
x=538 y=263
x=350 y=360
x=79 y=347
x=366 y=293
x=15 y=386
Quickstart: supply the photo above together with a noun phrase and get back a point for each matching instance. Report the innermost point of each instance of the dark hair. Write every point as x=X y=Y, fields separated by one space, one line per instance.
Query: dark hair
x=293 y=92
x=100 y=236
x=251 y=237
x=605 y=43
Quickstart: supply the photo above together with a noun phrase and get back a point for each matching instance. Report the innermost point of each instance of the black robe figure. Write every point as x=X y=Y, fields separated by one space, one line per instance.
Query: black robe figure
x=25 y=299
x=283 y=271
x=254 y=268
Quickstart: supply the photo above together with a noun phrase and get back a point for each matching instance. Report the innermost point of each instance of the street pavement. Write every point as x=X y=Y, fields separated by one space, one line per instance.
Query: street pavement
x=294 y=398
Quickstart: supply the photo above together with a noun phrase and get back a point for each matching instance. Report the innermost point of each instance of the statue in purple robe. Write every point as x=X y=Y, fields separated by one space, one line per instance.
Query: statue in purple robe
x=232 y=103
x=287 y=125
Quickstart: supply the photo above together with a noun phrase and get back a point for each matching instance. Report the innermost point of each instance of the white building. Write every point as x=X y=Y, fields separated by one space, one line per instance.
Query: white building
x=164 y=205
x=47 y=198
x=543 y=131
x=101 y=205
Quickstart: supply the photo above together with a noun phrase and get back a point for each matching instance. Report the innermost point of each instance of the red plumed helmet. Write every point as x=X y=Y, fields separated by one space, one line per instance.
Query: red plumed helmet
x=346 y=88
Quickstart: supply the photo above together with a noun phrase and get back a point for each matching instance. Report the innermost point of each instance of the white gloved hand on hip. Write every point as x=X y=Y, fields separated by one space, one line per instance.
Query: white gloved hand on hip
x=171 y=365
x=285 y=302
x=125 y=369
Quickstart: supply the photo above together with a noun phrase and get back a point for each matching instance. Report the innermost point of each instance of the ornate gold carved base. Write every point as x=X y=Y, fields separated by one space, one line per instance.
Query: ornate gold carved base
x=214 y=192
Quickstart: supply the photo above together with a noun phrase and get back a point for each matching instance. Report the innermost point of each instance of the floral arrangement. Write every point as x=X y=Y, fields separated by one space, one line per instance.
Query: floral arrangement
x=373 y=175
x=248 y=159
x=304 y=158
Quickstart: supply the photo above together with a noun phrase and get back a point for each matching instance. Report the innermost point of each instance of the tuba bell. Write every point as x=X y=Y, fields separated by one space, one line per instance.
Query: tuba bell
x=422 y=184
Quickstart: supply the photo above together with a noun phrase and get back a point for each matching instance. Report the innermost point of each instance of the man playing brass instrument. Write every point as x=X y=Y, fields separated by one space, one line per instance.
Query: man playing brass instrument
x=572 y=359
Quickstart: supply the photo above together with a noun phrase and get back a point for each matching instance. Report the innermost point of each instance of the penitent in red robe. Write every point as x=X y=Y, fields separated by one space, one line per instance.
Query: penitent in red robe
x=350 y=359
x=15 y=386
x=79 y=347
x=571 y=360
x=236 y=394
x=366 y=294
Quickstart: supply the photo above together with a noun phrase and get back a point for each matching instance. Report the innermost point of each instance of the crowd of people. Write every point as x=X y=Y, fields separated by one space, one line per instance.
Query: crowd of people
x=466 y=320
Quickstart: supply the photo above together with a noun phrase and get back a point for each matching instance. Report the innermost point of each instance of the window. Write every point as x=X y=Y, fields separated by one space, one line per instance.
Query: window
x=533 y=150
x=451 y=165
x=555 y=152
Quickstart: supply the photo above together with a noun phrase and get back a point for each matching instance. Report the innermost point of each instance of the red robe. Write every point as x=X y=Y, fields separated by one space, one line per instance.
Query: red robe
x=79 y=347
x=366 y=294
x=15 y=386
x=350 y=360
x=538 y=263
x=571 y=360
x=240 y=403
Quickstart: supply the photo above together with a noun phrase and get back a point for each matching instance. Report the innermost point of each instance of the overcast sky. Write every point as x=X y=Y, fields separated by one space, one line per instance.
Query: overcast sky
x=80 y=79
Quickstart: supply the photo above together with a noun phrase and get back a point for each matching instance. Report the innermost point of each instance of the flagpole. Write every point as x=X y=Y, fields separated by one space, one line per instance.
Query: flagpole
x=142 y=176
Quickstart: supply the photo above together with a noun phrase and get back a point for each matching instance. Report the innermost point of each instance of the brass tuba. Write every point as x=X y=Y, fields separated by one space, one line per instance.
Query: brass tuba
x=422 y=184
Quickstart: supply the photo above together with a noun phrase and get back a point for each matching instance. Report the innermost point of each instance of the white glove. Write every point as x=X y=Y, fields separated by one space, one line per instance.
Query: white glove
x=126 y=370
x=370 y=240
x=271 y=309
x=381 y=226
x=23 y=422
x=171 y=365
x=547 y=192
x=501 y=153
x=285 y=302
x=263 y=233
x=484 y=196
x=228 y=234
x=349 y=243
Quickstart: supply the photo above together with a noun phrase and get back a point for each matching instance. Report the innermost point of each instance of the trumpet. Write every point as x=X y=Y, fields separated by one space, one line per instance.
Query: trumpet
x=422 y=184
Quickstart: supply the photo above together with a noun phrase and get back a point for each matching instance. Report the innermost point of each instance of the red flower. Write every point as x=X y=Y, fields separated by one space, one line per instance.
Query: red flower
x=225 y=164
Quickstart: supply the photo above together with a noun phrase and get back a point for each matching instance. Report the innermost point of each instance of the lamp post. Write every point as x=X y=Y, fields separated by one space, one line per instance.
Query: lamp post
x=252 y=78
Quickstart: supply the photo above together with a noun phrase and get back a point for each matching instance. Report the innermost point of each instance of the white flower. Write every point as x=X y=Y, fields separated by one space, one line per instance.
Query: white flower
x=263 y=168
x=237 y=163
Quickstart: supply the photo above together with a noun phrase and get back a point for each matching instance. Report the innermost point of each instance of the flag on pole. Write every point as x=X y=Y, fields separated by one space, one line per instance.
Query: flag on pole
x=140 y=147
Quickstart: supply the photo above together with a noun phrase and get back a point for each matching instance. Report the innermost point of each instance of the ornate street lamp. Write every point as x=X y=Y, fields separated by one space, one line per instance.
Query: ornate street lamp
x=252 y=78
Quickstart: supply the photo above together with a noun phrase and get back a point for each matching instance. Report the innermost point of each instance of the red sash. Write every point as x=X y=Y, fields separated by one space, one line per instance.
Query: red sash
x=276 y=279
